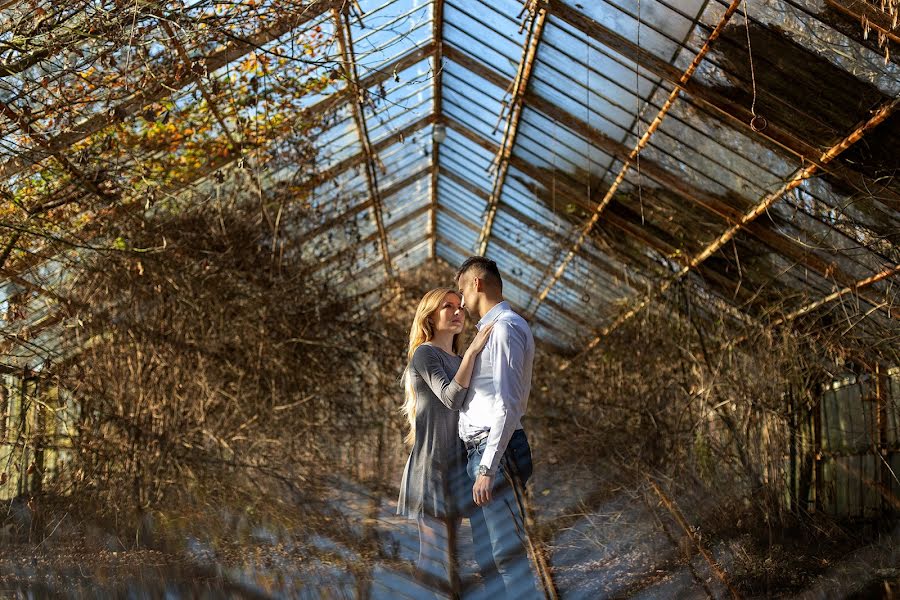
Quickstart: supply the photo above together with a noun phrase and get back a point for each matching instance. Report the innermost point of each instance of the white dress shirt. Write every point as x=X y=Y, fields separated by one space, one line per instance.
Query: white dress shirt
x=501 y=382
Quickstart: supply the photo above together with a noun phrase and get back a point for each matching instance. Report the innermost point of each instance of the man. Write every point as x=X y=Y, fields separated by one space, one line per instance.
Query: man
x=490 y=423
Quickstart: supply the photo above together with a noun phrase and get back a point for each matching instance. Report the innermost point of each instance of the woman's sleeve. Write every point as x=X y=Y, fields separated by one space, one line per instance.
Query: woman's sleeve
x=427 y=364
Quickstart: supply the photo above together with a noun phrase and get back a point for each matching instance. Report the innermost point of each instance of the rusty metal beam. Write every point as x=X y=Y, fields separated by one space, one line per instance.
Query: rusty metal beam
x=532 y=223
x=568 y=188
x=729 y=112
x=632 y=156
x=372 y=237
x=320 y=178
x=522 y=256
x=345 y=42
x=320 y=108
x=355 y=210
x=175 y=80
x=871 y=15
x=515 y=106
x=518 y=284
x=576 y=196
x=785 y=246
x=801 y=175
x=851 y=289
x=782 y=244
x=437 y=35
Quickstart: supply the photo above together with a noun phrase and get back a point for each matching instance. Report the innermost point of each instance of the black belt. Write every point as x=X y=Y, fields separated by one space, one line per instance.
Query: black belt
x=476 y=439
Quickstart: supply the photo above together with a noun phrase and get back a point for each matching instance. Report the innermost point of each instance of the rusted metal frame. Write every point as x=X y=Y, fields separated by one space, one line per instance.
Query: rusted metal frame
x=519 y=285
x=576 y=196
x=319 y=179
x=533 y=172
x=851 y=289
x=782 y=244
x=785 y=245
x=514 y=161
x=698 y=23
x=682 y=45
x=632 y=156
x=712 y=204
x=612 y=147
x=164 y=89
x=570 y=189
x=516 y=107
x=795 y=181
x=345 y=42
x=852 y=5
x=874 y=17
x=520 y=256
x=373 y=236
x=437 y=35
x=719 y=106
x=353 y=211
x=322 y=107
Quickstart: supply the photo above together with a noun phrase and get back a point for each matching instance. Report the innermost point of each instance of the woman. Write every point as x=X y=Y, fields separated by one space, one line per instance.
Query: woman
x=434 y=485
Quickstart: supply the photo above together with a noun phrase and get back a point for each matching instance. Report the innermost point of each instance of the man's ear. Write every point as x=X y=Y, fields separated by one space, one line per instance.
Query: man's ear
x=478 y=282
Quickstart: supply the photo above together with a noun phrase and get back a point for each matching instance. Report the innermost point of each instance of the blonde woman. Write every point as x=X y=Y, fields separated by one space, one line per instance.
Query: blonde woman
x=435 y=487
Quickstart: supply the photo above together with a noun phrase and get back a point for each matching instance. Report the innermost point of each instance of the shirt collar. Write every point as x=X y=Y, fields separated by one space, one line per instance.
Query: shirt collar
x=493 y=314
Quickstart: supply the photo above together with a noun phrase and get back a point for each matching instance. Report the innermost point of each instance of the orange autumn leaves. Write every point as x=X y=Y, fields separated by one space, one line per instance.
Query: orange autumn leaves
x=243 y=109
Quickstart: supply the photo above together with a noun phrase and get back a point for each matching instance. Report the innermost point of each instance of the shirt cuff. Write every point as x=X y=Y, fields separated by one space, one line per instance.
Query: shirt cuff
x=487 y=459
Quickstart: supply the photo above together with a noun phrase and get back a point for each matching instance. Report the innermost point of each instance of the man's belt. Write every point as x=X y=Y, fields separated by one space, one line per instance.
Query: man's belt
x=474 y=440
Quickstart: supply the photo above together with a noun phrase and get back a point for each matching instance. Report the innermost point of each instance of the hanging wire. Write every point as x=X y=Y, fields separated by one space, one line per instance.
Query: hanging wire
x=757 y=123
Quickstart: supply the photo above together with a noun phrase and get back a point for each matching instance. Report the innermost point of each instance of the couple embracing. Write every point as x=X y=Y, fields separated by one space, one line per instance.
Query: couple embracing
x=470 y=457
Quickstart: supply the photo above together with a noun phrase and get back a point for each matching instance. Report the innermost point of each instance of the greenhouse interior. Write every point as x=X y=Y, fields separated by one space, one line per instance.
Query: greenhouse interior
x=218 y=220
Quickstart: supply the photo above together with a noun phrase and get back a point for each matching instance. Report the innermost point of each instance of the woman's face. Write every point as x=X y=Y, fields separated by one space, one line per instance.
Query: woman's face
x=449 y=316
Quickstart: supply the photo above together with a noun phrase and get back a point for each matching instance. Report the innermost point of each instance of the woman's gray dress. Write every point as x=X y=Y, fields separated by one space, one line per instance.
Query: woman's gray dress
x=434 y=478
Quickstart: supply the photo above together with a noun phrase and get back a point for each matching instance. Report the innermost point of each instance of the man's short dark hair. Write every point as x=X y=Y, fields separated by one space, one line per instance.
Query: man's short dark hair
x=485 y=267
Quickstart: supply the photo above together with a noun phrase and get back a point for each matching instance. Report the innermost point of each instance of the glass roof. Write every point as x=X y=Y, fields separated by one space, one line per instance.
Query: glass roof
x=428 y=125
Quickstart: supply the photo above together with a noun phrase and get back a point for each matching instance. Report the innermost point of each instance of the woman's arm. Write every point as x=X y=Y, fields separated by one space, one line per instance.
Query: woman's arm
x=451 y=392
x=464 y=374
x=427 y=365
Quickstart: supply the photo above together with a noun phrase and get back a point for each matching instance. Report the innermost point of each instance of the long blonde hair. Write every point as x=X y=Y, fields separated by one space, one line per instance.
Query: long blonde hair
x=422 y=331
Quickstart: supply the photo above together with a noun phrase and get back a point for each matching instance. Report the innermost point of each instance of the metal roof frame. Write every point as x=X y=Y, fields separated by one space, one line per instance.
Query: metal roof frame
x=613 y=240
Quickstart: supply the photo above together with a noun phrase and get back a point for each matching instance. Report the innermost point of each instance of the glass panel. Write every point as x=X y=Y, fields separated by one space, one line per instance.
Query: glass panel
x=491 y=32
x=387 y=30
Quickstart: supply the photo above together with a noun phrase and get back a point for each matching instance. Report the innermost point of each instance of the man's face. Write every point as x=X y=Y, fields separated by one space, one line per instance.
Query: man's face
x=466 y=285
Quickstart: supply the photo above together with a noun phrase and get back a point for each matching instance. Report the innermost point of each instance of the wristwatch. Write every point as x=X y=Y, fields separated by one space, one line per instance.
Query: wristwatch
x=483 y=470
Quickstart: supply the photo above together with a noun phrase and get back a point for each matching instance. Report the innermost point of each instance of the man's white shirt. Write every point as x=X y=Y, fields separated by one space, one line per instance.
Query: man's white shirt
x=501 y=382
